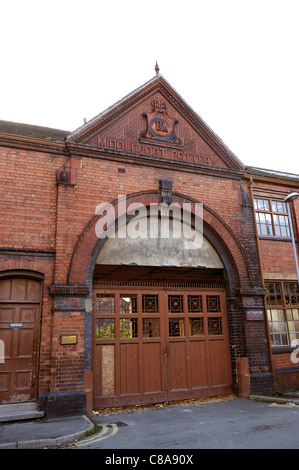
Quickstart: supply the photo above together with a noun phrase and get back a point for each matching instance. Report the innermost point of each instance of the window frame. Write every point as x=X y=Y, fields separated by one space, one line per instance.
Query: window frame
x=270 y=218
x=282 y=302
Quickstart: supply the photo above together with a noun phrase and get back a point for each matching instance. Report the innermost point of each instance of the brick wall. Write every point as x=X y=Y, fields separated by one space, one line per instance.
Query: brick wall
x=55 y=223
x=278 y=262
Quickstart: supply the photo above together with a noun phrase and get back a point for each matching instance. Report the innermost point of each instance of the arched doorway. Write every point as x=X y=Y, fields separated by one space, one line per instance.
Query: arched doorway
x=160 y=329
x=20 y=308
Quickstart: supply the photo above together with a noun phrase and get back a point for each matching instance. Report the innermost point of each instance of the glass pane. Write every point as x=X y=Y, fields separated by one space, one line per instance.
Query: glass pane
x=289 y=314
x=128 y=328
x=196 y=327
x=128 y=303
x=194 y=303
x=176 y=327
x=279 y=327
x=215 y=326
x=291 y=292
x=284 y=340
x=150 y=303
x=105 y=303
x=262 y=204
x=175 y=304
x=269 y=315
x=104 y=328
x=150 y=327
x=280 y=315
x=292 y=327
x=274 y=296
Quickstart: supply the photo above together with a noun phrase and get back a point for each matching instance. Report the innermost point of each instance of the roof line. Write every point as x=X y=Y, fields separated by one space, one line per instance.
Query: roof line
x=137 y=90
x=271 y=173
x=110 y=108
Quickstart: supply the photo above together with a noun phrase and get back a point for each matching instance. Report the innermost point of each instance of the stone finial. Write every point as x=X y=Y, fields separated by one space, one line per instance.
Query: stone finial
x=157 y=68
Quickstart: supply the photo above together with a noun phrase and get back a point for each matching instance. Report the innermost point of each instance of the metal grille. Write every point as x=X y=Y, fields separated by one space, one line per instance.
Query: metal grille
x=175 y=304
x=176 y=327
x=150 y=327
x=105 y=328
x=194 y=303
x=128 y=303
x=150 y=303
x=213 y=303
x=141 y=276
x=196 y=327
x=215 y=326
x=105 y=304
x=128 y=328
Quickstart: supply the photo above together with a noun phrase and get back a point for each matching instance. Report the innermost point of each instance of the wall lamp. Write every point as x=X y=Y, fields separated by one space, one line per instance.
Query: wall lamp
x=291 y=197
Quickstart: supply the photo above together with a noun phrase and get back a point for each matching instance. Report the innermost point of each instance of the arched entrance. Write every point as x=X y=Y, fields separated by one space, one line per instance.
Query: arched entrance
x=20 y=302
x=160 y=329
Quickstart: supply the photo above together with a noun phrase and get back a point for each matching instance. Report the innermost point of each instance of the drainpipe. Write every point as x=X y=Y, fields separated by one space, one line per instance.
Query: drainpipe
x=287 y=200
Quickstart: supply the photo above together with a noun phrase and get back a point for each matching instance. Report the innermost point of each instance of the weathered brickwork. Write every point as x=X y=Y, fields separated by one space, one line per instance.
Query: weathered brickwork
x=49 y=227
x=278 y=264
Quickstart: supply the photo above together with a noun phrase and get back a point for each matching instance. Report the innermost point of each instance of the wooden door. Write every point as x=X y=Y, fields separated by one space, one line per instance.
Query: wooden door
x=197 y=344
x=19 y=331
x=159 y=345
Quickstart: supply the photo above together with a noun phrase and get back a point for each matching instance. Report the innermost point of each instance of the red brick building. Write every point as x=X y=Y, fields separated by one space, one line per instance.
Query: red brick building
x=90 y=321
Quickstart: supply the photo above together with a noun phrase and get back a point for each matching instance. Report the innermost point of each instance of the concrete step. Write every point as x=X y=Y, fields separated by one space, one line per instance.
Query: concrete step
x=19 y=411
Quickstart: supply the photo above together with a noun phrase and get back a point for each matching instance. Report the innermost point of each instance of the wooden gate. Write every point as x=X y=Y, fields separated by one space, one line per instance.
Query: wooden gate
x=155 y=345
x=19 y=332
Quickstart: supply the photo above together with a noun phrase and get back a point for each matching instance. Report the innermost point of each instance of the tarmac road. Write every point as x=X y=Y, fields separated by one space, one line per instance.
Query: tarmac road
x=232 y=424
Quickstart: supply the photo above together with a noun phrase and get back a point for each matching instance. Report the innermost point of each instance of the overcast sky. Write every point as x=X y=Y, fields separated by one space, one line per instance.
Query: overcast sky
x=235 y=62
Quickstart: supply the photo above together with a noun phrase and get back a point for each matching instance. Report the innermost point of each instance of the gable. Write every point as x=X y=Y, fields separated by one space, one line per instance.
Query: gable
x=154 y=121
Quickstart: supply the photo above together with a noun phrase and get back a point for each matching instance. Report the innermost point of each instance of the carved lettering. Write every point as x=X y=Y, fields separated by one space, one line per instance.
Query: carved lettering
x=158 y=104
x=152 y=150
x=161 y=127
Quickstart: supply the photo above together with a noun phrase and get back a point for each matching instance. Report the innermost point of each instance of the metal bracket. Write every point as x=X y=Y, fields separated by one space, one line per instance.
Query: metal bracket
x=166 y=191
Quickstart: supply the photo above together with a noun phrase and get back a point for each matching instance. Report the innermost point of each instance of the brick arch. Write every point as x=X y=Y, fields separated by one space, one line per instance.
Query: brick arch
x=21 y=273
x=216 y=231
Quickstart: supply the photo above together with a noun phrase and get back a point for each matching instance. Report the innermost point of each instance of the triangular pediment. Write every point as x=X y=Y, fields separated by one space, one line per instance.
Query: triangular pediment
x=154 y=121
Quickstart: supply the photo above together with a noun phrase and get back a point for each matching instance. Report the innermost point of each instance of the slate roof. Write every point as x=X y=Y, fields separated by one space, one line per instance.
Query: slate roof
x=29 y=130
x=272 y=173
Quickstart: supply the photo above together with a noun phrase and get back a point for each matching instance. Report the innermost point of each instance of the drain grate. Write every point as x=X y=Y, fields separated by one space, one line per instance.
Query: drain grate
x=119 y=424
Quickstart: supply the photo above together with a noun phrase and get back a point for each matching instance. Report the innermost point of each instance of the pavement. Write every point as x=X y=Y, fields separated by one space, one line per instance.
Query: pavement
x=56 y=433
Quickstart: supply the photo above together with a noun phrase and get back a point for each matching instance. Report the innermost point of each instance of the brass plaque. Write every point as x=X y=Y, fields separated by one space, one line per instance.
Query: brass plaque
x=68 y=339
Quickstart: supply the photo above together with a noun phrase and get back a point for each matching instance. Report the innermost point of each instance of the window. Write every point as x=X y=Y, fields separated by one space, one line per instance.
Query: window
x=283 y=312
x=271 y=218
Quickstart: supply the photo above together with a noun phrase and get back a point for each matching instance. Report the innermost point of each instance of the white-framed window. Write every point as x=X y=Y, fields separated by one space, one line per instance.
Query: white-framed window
x=271 y=217
x=283 y=312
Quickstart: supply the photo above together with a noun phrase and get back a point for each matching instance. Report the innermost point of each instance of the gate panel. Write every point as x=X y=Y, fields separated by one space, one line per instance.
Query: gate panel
x=153 y=345
x=219 y=376
x=198 y=364
x=152 y=373
x=177 y=367
x=129 y=370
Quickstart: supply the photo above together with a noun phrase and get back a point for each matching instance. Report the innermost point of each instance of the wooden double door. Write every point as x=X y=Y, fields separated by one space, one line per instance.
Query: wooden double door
x=159 y=345
x=19 y=338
